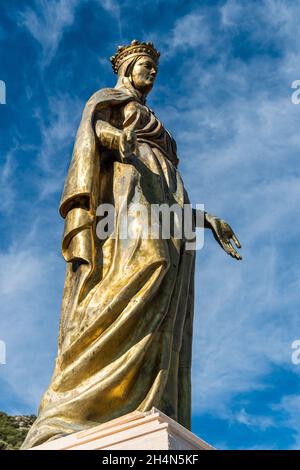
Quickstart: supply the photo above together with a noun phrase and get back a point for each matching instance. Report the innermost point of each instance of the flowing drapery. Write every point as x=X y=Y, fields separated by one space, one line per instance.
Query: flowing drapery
x=127 y=312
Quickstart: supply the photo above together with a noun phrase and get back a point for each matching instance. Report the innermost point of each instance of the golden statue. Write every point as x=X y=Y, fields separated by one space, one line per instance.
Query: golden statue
x=125 y=338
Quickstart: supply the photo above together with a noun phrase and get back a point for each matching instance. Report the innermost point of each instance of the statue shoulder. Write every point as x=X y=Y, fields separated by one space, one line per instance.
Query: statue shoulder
x=108 y=97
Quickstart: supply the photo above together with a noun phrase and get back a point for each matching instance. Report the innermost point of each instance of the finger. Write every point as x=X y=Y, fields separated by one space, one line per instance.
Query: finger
x=230 y=249
x=234 y=238
x=233 y=252
x=131 y=136
x=226 y=248
x=236 y=255
x=122 y=146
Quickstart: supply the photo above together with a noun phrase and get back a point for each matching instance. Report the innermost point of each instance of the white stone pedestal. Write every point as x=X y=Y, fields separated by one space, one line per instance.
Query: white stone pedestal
x=150 y=430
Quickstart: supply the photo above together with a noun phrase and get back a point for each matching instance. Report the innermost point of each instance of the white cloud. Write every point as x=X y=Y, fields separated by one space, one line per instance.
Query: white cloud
x=58 y=129
x=261 y=422
x=7 y=187
x=230 y=12
x=114 y=8
x=111 y=7
x=20 y=271
x=290 y=404
x=189 y=31
x=47 y=22
x=30 y=302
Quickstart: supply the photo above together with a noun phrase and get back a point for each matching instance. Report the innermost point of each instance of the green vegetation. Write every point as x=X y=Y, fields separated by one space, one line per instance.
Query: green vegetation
x=13 y=430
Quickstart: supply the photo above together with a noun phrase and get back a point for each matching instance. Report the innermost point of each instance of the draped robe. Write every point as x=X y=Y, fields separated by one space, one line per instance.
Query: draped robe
x=125 y=338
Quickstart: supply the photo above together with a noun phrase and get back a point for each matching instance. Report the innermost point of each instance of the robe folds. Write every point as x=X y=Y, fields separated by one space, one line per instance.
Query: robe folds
x=125 y=338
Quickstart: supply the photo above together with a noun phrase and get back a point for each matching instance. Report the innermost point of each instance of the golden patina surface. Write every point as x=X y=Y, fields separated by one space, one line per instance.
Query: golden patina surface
x=126 y=326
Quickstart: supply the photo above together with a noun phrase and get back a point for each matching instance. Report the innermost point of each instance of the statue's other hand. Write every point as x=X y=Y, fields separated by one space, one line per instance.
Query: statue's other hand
x=128 y=144
x=223 y=234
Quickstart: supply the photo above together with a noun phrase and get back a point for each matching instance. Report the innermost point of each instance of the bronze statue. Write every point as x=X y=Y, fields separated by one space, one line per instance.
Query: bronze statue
x=125 y=338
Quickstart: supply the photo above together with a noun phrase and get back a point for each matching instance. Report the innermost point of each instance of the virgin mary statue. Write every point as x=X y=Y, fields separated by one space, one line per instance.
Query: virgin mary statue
x=125 y=338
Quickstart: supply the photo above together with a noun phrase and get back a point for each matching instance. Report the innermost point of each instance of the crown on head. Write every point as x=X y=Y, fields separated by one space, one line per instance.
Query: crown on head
x=135 y=48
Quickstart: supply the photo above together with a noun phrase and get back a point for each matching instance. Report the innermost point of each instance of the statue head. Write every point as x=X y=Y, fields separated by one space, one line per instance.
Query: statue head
x=138 y=62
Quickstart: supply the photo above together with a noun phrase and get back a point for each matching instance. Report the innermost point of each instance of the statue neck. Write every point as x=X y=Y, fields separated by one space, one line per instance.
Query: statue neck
x=126 y=84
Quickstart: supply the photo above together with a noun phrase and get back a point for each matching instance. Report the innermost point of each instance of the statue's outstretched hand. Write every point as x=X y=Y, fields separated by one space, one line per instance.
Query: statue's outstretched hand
x=223 y=234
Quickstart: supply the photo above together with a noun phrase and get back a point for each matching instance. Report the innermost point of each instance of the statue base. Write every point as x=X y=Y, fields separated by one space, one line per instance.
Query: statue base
x=151 y=430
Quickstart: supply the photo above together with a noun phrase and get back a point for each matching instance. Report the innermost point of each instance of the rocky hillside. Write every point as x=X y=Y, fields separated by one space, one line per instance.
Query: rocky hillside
x=13 y=430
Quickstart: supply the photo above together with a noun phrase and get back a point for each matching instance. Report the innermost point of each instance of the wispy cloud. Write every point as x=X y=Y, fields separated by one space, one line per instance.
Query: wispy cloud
x=230 y=12
x=47 y=22
x=290 y=404
x=29 y=307
x=189 y=31
x=7 y=189
x=114 y=8
x=57 y=128
x=261 y=422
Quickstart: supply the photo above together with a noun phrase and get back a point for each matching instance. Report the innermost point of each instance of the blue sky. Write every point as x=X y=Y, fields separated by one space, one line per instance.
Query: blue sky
x=224 y=91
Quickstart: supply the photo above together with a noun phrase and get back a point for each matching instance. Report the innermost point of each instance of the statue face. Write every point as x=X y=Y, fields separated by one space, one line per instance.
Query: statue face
x=143 y=74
